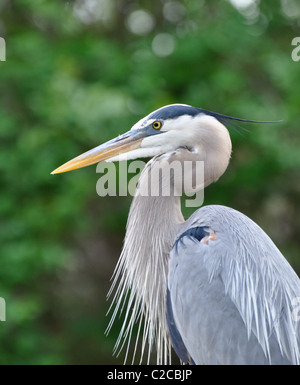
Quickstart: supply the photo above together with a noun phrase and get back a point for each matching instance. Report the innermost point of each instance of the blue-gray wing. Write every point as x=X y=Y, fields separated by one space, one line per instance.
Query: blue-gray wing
x=233 y=295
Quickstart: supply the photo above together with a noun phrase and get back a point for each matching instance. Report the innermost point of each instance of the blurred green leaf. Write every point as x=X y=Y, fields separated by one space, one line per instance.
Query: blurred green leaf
x=75 y=76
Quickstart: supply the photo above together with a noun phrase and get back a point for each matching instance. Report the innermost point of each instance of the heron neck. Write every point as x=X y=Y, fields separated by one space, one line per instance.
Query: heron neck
x=151 y=229
x=154 y=221
x=142 y=269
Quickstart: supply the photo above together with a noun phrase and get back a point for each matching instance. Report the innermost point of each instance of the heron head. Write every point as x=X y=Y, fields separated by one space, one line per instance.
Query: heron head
x=163 y=130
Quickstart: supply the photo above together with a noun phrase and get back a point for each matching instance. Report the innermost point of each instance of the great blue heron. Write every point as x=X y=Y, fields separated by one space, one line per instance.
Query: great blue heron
x=214 y=286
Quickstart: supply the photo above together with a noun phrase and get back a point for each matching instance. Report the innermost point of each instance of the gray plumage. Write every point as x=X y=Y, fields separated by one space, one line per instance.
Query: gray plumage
x=232 y=296
x=214 y=286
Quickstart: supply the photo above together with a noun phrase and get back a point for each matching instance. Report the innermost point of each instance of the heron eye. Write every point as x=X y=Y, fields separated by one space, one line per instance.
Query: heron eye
x=156 y=125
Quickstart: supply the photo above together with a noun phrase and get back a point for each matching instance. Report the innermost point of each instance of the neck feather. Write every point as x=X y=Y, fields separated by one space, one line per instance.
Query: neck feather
x=141 y=273
x=140 y=277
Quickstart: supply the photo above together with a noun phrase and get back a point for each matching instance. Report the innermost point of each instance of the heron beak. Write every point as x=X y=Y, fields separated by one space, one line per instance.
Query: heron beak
x=129 y=141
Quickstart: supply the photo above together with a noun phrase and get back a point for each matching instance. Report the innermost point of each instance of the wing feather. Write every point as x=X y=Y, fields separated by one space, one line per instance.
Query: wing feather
x=238 y=280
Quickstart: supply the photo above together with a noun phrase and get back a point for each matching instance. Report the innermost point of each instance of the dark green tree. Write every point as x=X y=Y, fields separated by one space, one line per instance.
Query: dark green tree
x=78 y=73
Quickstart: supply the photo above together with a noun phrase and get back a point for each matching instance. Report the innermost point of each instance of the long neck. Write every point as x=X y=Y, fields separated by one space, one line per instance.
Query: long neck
x=141 y=273
x=142 y=269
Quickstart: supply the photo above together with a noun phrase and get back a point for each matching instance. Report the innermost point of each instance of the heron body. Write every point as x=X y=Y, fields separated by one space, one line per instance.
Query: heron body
x=214 y=286
x=244 y=292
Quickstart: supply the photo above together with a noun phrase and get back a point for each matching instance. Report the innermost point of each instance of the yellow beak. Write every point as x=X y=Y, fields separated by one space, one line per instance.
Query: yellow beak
x=129 y=141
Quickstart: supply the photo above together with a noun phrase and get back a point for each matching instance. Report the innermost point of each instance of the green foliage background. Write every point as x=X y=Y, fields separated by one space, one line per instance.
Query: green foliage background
x=78 y=73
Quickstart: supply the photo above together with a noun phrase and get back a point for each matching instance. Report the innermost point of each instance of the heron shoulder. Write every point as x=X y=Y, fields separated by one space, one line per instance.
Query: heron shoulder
x=231 y=226
x=250 y=270
x=242 y=240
